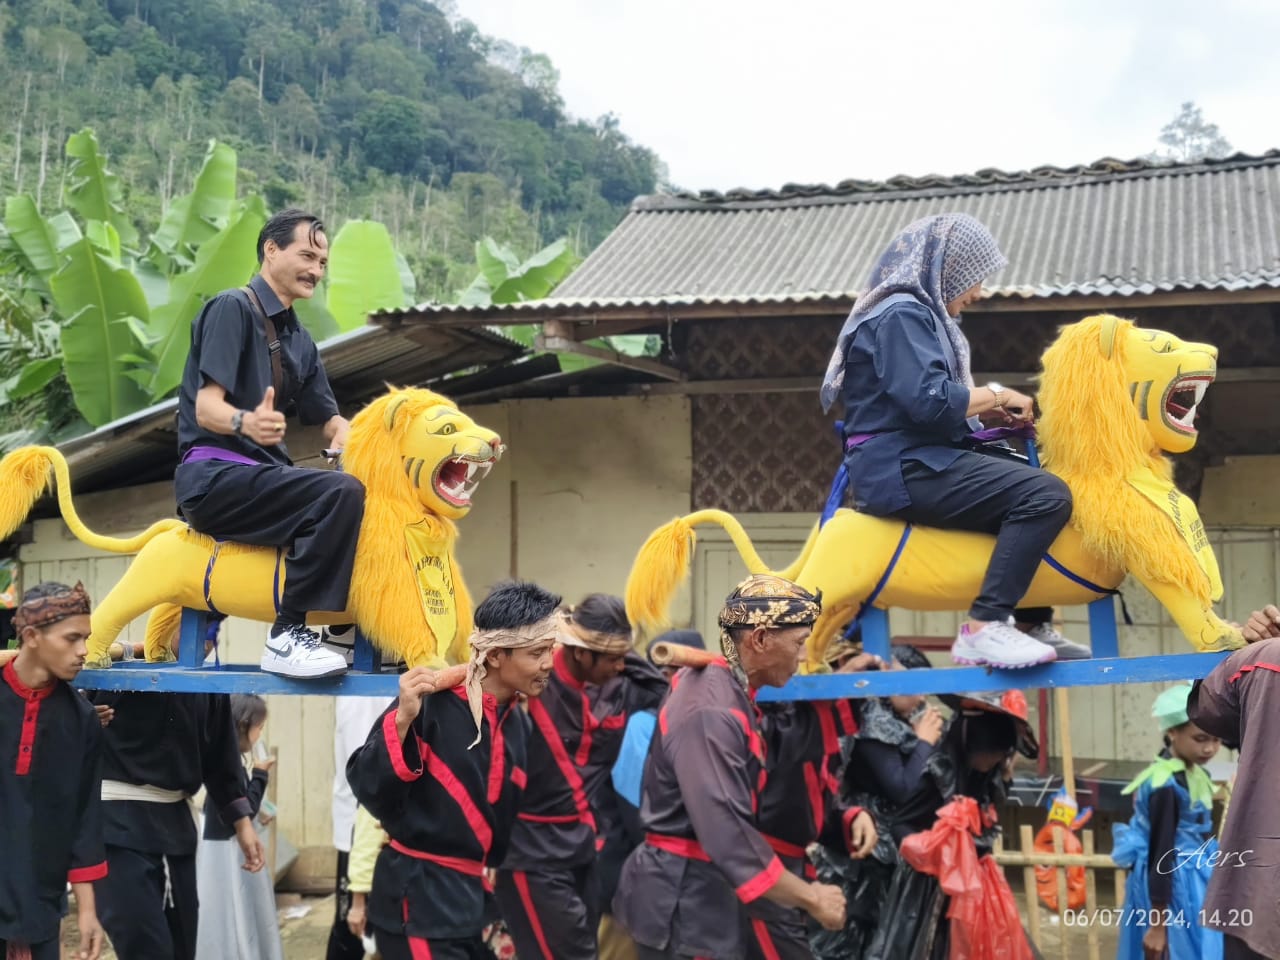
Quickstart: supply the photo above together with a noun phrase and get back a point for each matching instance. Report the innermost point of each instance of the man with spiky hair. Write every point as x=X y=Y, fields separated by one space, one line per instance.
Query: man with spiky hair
x=50 y=810
x=561 y=869
x=444 y=773
x=251 y=365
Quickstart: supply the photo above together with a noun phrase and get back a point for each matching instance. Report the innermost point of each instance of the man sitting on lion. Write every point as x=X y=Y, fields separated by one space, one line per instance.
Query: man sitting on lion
x=901 y=368
x=251 y=362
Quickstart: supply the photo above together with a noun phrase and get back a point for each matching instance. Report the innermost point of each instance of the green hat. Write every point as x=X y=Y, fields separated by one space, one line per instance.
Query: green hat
x=1170 y=707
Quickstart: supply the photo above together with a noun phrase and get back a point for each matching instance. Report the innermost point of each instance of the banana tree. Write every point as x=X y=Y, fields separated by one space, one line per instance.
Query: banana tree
x=504 y=278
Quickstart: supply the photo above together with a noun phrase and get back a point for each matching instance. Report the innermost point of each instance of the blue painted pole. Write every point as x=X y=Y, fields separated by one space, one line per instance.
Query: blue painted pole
x=191 y=637
x=875 y=632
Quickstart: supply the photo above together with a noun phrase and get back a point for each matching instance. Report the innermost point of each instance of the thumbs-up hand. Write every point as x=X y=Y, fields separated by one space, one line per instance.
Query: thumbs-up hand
x=264 y=425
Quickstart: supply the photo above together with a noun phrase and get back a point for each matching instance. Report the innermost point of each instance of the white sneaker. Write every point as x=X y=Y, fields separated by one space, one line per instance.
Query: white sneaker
x=999 y=644
x=295 y=651
x=1064 y=648
x=341 y=639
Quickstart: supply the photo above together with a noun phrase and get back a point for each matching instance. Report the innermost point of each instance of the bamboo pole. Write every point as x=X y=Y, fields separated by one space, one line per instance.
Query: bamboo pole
x=1060 y=875
x=1029 y=882
x=1090 y=898
x=1062 y=708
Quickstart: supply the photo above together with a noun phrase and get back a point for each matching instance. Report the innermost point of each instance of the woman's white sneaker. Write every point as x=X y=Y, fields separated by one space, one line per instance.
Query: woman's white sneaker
x=999 y=644
x=296 y=651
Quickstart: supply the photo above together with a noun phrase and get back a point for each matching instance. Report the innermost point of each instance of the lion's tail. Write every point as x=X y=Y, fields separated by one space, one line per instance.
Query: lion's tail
x=663 y=564
x=24 y=477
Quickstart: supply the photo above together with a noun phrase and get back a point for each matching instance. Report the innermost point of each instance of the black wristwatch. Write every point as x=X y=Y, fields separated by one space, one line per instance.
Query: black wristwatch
x=237 y=421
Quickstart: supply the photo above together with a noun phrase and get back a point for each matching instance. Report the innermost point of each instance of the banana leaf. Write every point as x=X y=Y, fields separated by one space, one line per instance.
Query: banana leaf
x=227 y=259
x=37 y=241
x=92 y=190
x=97 y=296
x=35 y=376
x=199 y=215
x=363 y=274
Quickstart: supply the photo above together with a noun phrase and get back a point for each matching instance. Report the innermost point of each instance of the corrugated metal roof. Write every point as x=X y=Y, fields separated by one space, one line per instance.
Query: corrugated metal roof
x=143 y=446
x=1113 y=228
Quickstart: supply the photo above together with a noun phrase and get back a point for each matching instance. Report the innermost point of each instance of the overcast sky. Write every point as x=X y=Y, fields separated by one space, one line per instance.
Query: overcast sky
x=748 y=93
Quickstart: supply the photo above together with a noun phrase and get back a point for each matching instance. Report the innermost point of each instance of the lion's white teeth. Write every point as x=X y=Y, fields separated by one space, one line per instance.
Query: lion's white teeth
x=1189 y=418
x=1201 y=387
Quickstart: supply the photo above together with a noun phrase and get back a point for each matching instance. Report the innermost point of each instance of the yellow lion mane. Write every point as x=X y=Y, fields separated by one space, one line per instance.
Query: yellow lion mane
x=383 y=589
x=1091 y=436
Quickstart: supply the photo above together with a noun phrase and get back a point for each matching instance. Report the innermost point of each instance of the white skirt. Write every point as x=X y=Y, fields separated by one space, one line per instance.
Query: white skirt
x=237 y=909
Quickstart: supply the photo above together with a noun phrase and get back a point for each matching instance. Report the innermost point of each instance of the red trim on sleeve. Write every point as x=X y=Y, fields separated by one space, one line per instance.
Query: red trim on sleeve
x=589 y=723
x=1249 y=668
x=521 y=880
x=551 y=736
x=761 y=883
x=87 y=874
x=519 y=778
x=764 y=940
x=846 y=826
x=440 y=772
x=395 y=750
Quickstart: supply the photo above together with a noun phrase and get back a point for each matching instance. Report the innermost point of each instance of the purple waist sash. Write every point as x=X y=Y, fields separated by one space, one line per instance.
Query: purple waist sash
x=207 y=452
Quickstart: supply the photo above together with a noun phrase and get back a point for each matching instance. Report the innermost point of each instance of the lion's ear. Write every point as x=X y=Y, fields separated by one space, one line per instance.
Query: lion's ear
x=1107 y=335
x=389 y=418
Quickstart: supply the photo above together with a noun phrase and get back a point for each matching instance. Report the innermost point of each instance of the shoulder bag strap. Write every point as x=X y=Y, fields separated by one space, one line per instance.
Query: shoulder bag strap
x=273 y=343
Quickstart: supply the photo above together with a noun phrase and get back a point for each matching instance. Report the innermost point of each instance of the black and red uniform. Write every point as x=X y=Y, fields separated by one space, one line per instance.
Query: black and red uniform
x=682 y=891
x=551 y=888
x=177 y=742
x=50 y=808
x=803 y=742
x=448 y=811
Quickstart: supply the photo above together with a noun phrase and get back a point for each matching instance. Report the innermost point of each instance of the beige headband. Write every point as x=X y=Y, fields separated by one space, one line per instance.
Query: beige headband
x=573 y=634
x=509 y=638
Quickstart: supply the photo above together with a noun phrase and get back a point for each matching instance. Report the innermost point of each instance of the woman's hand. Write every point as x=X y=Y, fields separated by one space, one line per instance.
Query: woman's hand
x=1017 y=407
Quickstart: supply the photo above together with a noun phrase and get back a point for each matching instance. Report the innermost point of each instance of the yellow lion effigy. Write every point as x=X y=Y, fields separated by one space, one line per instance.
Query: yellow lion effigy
x=1115 y=398
x=419 y=458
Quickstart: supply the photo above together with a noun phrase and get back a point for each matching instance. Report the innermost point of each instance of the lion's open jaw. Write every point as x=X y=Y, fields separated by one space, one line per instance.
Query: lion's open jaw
x=457 y=478
x=1182 y=399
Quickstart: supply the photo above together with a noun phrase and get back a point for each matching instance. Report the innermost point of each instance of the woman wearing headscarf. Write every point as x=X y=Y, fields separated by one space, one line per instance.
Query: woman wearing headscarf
x=901 y=369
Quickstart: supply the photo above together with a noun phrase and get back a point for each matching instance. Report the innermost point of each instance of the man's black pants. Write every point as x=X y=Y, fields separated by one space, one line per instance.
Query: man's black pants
x=316 y=514
x=343 y=944
x=551 y=914
x=1024 y=506
x=148 y=904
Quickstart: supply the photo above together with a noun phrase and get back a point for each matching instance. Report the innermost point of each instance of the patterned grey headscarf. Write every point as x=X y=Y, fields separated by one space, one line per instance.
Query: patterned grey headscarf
x=933 y=260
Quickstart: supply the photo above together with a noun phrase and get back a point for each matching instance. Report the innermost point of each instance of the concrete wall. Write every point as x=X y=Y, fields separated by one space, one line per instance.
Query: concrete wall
x=583 y=482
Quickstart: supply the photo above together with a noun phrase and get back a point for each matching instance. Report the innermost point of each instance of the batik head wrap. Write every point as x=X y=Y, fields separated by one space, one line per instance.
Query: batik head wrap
x=765 y=600
x=53 y=605
x=574 y=634
x=505 y=638
x=934 y=260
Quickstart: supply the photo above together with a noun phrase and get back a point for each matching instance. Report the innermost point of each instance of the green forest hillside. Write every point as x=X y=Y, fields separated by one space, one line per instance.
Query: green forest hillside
x=393 y=110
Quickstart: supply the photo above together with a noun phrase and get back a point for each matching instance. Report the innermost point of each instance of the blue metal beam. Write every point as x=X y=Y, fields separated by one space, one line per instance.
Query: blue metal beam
x=240 y=678
x=1063 y=673
x=232 y=678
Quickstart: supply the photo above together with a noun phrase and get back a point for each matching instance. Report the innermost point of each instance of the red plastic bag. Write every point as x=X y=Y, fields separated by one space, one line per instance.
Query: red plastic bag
x=983 y=914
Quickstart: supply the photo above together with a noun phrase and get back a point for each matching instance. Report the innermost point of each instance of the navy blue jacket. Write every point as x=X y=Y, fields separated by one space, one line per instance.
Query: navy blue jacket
x=899 y=387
